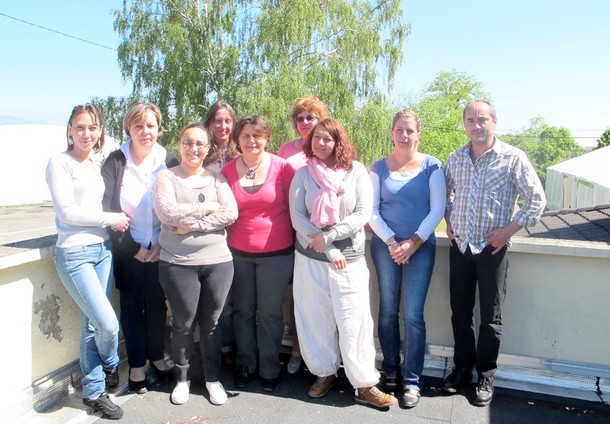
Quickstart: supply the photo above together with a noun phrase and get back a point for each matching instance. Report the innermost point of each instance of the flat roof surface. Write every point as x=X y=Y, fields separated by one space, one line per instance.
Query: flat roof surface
x=290 y=404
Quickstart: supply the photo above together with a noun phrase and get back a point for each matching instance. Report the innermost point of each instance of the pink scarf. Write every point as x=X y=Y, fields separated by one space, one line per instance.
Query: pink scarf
x=325 y=208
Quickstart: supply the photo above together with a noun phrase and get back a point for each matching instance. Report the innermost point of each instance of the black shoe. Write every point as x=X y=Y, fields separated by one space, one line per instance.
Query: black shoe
x=457 y=379
x=107 y=407
x=140 y=387
x=112 y=378
x=242 y=377
x=410 y=398
x=484 y=391
x=269 y=384
x=162 y=374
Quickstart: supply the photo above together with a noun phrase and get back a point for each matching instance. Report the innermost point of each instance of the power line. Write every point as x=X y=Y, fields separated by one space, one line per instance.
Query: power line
x=57 y=32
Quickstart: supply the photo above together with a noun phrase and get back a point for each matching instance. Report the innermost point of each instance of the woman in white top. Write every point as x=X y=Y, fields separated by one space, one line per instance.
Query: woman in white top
x=130 y=174
x=82 y=253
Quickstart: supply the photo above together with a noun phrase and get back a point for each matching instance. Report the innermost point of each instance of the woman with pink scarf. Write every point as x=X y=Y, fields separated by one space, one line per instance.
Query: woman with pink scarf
x=330 y=202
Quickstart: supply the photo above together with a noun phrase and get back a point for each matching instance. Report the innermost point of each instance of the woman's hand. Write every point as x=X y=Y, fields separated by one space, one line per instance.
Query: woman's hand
x=403 y=252
x=123 y=224
x=211 y=207
x=317 y=243
x=142 y=254
x=155 y=252
x=185 y=229
x=338 y=261
x=149 y=255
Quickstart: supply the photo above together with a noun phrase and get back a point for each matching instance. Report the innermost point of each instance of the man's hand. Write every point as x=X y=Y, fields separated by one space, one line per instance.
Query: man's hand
x=499 y=237
x=449 y=231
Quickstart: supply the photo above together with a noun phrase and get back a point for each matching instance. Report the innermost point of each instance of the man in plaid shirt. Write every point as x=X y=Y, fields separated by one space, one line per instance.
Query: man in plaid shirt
x=484 y=179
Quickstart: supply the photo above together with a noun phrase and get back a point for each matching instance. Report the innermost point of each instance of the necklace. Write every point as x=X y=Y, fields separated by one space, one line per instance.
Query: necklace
x=251 y=172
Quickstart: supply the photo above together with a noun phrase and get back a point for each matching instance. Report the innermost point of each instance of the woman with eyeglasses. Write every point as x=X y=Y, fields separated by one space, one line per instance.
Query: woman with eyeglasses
x=306 y=112
x=82 y=253
x=129 y=175
x=195 y=205
x=262 y=243
x=330 y=202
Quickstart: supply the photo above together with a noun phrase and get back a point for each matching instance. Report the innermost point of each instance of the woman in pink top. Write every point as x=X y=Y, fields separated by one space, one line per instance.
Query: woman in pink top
x=306 y=112
x=262 y=243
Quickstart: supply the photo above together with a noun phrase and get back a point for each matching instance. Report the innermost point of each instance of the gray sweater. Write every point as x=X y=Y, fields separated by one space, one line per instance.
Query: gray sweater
x=177 y=204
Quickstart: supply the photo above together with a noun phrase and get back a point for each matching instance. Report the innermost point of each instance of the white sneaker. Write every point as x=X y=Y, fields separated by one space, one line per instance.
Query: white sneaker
x=180 y=394
x=218 y=396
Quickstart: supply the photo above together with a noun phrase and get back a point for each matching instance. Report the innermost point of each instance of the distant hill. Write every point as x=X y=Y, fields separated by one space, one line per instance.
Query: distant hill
x=11 y=120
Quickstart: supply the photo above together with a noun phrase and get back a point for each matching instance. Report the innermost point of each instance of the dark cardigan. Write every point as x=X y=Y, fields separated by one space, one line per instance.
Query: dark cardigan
x=113 y=170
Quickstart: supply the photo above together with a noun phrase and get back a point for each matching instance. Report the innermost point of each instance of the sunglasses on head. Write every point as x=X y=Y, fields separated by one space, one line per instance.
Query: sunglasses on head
x=308 y=118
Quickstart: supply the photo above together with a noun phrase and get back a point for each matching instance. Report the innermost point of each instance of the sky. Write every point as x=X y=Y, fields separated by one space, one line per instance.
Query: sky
x=548 y=58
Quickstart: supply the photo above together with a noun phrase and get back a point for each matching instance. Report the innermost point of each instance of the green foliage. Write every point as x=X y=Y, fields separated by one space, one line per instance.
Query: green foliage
x=113 y=109
x=260 y=56
x=440 y=107
x=545 y=145
x=370 y=130
x=604 y=140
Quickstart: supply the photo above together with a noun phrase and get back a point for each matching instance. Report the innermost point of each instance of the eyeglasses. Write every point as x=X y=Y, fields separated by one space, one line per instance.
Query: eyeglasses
x=193 y=145
x=308 y=118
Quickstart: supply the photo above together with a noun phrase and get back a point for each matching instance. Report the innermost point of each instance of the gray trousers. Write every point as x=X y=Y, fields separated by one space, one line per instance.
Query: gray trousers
x=196 y=294
x=258 y=291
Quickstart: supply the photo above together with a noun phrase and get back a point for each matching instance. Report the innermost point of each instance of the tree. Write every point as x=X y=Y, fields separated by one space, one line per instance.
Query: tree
x=440 y=107
x=260 y=55
x=604 y=140
x=545 y=145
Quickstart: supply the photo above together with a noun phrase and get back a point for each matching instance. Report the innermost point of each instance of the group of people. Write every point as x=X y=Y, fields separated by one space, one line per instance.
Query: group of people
x=221 y=234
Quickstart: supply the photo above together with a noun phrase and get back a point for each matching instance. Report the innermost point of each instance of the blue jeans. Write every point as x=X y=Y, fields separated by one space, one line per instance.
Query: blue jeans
x=259 y=284
x=85 y=272
x=403 y=286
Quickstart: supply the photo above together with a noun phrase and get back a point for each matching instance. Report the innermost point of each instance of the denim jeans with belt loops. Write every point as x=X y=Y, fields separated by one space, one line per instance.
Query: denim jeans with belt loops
x=403 y=287
x=86 y=273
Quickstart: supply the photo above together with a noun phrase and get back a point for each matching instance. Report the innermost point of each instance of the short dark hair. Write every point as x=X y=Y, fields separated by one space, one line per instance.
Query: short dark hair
x=492 y=109
x=260 y=124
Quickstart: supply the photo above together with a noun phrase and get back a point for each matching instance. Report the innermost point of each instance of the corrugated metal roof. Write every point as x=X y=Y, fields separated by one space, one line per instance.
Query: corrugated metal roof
x=585 y=224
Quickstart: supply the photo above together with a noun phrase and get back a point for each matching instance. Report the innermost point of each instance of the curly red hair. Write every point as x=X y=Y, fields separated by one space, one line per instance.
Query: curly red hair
x=344 y=152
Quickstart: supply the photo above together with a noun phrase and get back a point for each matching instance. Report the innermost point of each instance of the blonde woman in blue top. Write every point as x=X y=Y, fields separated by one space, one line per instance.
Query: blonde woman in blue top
x=408 y=203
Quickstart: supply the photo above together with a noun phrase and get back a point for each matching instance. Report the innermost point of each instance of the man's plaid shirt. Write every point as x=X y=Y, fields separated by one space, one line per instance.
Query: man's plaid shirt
x=481 y=196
